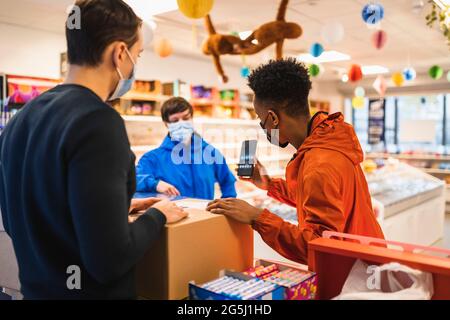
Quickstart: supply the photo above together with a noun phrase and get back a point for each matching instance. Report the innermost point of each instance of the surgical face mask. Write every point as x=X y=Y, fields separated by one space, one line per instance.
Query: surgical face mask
x=275 y=142
x=181 y=131
x=124 y=85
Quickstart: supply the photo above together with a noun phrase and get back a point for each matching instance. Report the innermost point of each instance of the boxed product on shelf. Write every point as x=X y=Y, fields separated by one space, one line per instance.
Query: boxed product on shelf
x=236 y=286
x=194 y=249
x=298 y=284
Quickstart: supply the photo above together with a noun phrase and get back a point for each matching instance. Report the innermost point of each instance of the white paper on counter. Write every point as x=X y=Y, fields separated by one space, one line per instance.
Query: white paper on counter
x=192 y=204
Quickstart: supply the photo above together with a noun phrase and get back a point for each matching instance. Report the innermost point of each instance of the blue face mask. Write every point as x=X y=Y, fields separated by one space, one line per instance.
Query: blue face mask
x=181 y=131
x=124 y=85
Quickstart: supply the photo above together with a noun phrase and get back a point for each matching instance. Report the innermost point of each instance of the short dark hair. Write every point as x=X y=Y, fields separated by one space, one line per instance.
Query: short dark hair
x=101 y=23
x=285 y=84
x=175 y=105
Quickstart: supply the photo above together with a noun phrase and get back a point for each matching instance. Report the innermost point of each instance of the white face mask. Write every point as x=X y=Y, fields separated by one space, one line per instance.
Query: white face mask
x=181 y=131
x=124 y=85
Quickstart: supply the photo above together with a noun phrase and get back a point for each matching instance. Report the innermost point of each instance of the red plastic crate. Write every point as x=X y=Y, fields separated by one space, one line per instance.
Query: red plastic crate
x=332 y=257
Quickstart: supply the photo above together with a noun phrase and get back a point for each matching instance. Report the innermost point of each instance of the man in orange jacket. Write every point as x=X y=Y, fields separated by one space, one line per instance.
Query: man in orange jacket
x=324 y=180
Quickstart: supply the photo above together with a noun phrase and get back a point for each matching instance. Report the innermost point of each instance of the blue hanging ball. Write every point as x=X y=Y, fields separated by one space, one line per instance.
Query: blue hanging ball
x=245 y=72
x=316 y=49
x=409 y=74
x=372 y=13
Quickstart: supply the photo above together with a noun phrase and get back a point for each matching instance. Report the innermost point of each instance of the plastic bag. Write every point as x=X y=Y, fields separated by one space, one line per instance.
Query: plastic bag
x=391 y=281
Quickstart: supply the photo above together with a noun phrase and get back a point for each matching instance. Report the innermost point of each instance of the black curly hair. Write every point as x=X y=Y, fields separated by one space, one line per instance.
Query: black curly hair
x=284 y=84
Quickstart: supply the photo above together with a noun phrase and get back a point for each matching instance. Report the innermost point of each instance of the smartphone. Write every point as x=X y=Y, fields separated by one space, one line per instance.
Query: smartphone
x=247 y=159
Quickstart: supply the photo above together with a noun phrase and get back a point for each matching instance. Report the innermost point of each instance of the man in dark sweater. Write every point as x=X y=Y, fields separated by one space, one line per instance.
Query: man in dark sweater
x=67 y=174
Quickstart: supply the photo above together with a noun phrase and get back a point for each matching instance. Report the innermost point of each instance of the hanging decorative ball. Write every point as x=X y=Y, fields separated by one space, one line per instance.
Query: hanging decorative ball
x=147 y=31
x=332 y=33
x=314 y=70
x=163 y=48
x=372 y=13
x=380 y=85
x=397 y=79
x=417 y=6
x=245 y=72
x=448 y=76
x=355 y=73
x=409 y=74
x=360 y=92
x=195 y=9
x=316 y=50
x=379 y=39
x=358 y=102
x=436 y=72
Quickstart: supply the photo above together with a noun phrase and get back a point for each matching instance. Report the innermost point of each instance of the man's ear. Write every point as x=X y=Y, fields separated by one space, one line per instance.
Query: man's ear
x=118 y=53
x=274 y=118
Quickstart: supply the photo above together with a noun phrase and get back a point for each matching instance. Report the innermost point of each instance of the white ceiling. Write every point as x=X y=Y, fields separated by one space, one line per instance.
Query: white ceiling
x=407 y=32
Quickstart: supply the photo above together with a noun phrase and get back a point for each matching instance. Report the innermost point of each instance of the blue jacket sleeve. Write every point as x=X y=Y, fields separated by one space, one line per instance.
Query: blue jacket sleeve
x=224 y=177
x=145 y=174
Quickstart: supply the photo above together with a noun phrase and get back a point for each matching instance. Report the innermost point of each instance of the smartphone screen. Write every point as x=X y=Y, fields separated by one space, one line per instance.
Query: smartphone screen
x=247 y=159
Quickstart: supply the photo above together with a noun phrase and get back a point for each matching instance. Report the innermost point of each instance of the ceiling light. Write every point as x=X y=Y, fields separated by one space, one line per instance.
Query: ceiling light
x=244 y=34
x=443 y=4
x=344 y=78
x=326 y=56
x=147 y=9
x=368 y=70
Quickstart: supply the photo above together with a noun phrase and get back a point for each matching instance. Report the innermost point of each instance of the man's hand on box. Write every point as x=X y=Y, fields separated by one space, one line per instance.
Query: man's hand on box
x=167 y=189
x=237 y=209
x=142 y=204
x=172 y=212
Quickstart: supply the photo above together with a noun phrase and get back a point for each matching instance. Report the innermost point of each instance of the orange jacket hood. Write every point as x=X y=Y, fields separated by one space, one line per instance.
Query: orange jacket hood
x=332 y=133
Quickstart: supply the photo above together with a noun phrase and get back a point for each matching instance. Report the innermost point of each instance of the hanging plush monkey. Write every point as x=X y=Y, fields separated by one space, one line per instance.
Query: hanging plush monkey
x=274 y=32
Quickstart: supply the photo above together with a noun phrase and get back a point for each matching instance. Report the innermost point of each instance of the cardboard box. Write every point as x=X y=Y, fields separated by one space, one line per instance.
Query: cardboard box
x=305 y=290
x=196 y=292
x=195 y=249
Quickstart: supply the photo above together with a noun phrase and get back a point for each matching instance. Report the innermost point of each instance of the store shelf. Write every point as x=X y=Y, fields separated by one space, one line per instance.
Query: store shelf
x=432 y=157
x=435 y=171
x=142 y=96
x=200 y=120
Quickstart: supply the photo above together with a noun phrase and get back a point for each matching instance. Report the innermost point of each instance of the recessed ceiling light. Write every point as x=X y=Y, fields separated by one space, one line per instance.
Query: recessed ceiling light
x=368 y=70
x=147 y=9
x=326 y=56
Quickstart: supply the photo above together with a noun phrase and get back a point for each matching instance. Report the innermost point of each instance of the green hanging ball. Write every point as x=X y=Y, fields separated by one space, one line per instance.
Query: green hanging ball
x=436 y=72
x=314 y=70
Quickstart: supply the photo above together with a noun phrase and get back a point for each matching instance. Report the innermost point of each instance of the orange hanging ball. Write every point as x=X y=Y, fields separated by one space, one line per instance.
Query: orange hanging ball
x=355 y=73
x=163 y=47
x=195 y=9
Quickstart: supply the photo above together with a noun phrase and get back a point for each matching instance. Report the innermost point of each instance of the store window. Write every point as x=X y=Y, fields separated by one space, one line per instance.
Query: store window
x=360 y=118
x=420 y=120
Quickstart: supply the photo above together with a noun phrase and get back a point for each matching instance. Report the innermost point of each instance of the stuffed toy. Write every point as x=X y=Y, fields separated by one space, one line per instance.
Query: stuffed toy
x=275 y=32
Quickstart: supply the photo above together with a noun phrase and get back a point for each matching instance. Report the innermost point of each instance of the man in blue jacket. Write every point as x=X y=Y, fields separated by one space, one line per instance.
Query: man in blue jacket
x=184 y=164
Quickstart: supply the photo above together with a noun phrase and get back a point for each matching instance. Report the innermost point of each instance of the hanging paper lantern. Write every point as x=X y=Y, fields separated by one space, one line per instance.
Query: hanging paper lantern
x=147 y=31
x=358 y=102
x=372 y=13
x=409 y=74
x=380 y=85
x=314 y=70
x=397 y=79
x=332 y=33
x=245 y=72
x=379 y=39
x=195 y=9
x=435 y=72
x=360 y=92
x=316 y=50
x=355 y=73
x=163 y=48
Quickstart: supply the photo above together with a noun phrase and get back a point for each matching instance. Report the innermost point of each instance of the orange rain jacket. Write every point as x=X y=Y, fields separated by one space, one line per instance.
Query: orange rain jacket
x=326 y=184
